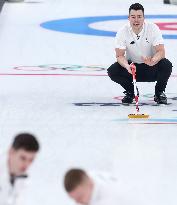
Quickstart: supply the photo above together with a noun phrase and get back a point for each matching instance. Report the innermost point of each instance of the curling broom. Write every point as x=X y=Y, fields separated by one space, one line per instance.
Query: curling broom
x=137 y=115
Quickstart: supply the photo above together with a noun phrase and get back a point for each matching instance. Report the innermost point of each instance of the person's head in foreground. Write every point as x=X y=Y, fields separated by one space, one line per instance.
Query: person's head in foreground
x=22 y=153
x=78 y=185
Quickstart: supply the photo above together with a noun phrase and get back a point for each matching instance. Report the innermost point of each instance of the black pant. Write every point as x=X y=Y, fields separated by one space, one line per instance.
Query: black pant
x=1 y=4
x=144 y=73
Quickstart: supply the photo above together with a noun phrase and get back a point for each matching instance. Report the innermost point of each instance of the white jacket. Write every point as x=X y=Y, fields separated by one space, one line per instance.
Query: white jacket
x=9 y=194
x=107 y=191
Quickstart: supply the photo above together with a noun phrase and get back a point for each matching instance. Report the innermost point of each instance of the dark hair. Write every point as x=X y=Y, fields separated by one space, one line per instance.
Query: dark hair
x=136 y=7
x=73 y=178
x=25 y=141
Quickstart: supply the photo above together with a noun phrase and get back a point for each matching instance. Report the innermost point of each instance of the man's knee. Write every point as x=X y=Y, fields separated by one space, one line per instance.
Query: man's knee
x=165 y=66
x=112 y=70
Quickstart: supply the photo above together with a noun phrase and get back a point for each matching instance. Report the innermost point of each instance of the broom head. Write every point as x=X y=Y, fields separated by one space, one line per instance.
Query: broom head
x=138 y=116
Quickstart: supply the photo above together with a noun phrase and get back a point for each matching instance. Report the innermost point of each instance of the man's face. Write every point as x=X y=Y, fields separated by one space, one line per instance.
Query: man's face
x=20 y=160
x=136 y=19
x=82 y=193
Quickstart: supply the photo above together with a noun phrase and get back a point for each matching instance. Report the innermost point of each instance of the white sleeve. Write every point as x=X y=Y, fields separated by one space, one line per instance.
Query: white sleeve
x=120 y=41
x=21 y=192
x=157 y=36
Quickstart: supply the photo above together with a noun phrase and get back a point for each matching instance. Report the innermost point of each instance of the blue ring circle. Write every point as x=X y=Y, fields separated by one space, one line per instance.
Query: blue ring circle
x=81 y=25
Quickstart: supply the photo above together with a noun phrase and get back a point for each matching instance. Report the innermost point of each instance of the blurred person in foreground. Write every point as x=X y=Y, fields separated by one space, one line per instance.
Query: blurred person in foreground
x=95 y=189
x=13 y=167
